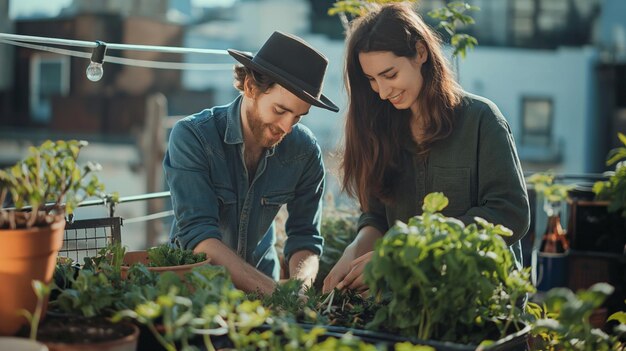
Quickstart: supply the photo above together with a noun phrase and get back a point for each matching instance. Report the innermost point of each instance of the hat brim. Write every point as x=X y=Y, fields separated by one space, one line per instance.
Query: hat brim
x=246 y=60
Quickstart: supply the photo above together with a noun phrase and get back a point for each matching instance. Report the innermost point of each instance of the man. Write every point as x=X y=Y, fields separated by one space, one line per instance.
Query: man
x=231 y=168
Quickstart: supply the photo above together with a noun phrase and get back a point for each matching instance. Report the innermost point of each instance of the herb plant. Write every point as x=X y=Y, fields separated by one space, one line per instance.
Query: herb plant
x=48 y=175
x=563 y=323
x=165 y=256
x=439 y=279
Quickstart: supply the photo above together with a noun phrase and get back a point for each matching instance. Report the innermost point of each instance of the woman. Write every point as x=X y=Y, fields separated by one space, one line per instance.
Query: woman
x=411 y=130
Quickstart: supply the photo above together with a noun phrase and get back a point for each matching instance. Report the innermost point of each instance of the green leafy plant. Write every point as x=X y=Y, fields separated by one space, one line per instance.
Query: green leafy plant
x=50 y=181
x=463 y=284
x=544 y=184
x=614 y=190
x=41 y=291
x=165 y=256
x=450 y=17
x=563 y=323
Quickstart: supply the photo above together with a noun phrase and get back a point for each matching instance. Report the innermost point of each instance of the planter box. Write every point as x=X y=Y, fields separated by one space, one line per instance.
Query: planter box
x=515 y=341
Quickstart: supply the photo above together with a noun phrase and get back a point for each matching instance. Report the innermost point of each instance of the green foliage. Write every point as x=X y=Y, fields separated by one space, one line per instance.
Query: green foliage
x=49 y=174
x=91 y=294
x=42 y=291
x=462 y=278
x=563 y=323
x=544 y=184
x=614 y=190
x=340 y=308
x=166 y=256
x=357 y=8
x=450 y=17
x=338 y=230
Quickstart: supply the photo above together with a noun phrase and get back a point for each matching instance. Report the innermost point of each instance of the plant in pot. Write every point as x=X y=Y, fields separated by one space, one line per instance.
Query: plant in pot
x=164 y=258
x=51 y=184
x=86 y=331
x=564 y=321
x=104 y=286
x=438 y=280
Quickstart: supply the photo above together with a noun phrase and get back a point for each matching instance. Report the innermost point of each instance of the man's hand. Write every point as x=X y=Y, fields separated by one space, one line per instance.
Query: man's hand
x=244 y=276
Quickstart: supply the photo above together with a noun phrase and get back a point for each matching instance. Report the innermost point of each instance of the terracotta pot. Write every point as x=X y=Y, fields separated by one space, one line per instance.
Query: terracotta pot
x=91 y=332
x=25 y=255
x=133 y=257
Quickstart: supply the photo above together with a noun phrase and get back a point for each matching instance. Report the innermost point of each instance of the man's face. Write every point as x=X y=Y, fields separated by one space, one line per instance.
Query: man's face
x=272 y=114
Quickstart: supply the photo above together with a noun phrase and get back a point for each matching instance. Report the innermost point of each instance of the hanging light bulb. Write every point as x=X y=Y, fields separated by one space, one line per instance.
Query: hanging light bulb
x=95 y=70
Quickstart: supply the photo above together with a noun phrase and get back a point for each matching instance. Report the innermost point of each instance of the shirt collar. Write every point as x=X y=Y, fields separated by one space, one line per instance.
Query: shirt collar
x=233 y=133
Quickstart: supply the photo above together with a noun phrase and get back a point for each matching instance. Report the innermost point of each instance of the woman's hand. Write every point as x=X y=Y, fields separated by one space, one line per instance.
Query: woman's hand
x=354 y=280
x=339 y=271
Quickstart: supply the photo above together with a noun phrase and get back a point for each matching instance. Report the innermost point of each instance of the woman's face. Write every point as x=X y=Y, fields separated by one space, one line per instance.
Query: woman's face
x=394 y=78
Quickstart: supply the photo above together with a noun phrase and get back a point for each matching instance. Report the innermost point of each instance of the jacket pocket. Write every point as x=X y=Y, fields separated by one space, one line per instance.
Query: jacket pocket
x=455 y=184
x=276 y=199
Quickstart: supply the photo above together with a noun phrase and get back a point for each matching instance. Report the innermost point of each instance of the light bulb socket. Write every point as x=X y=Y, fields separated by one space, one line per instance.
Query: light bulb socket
x=97 y=55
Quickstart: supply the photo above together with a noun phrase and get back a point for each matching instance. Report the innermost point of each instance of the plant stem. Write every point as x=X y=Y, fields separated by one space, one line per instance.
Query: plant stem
x=207 y=342
x=160 y=339
x=34 y=324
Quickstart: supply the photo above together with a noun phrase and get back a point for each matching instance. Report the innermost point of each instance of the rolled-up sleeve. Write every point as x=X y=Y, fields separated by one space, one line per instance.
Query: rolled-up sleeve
x=375 y=216
x=305 y=210
x=502 y=195
x=195 y=204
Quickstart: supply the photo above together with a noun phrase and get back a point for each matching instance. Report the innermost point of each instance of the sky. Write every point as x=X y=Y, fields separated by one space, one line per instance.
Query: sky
x=20 y=8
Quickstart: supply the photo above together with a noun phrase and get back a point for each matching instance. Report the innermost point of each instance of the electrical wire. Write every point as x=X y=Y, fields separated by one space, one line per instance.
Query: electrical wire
x=126 y=61
x=111 y=46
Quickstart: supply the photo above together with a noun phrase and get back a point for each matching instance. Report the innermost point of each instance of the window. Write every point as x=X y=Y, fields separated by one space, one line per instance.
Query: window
x=49 y=76
x=537 y=121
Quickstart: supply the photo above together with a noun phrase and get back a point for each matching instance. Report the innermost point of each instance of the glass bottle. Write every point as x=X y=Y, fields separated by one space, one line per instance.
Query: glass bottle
x=554 y=239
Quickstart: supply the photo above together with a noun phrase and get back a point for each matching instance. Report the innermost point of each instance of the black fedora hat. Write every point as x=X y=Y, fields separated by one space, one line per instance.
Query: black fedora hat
x=293 y=64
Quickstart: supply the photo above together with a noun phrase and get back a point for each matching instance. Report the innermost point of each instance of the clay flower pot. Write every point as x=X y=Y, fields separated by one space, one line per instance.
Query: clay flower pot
x=96 y=334
x=25 y=255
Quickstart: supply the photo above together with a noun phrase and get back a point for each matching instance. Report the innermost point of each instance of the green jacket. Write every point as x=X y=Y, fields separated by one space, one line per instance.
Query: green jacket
x=476 y=167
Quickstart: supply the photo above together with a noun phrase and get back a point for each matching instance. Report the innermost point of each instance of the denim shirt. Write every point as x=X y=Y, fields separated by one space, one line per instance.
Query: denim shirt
x=213 y=197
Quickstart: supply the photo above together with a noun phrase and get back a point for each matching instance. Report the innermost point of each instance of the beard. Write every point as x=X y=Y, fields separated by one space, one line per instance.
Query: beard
x=261 y=130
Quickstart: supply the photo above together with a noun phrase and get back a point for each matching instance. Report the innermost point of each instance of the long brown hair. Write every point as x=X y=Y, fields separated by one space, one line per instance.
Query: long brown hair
x=377 y=133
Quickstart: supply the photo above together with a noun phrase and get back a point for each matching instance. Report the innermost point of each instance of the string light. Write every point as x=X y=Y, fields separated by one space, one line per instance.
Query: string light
x=23 y=40
x=95 y=71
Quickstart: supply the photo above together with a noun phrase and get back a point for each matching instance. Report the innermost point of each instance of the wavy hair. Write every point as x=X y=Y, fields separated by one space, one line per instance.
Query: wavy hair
x=376 y=134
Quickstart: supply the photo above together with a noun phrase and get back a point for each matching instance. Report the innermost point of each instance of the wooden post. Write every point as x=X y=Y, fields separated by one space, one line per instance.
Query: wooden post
x=152 y=150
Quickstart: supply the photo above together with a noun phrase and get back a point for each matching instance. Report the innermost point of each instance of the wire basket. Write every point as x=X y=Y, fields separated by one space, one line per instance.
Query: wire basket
x=84 y=238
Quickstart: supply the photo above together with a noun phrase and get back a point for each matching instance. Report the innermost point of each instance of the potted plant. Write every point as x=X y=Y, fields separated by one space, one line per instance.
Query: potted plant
x=439 y=281
x=564 y=322
x=77 y=332
x=164 y=258
x=51 y=184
